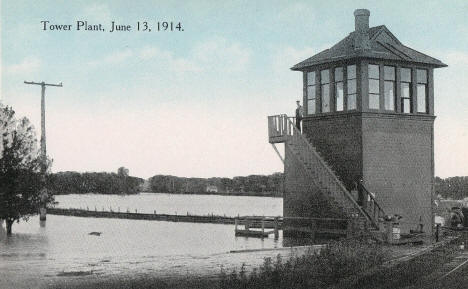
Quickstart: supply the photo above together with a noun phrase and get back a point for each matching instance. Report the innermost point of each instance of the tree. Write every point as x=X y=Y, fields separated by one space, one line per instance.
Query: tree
x=122 y=171
x=20 y=163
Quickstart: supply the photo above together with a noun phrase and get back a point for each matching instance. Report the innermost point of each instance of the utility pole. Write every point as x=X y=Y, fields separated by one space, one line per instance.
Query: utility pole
x=42 y=210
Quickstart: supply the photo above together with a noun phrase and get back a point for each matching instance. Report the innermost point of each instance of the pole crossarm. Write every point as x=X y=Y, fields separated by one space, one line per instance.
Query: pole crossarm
x=43 y=83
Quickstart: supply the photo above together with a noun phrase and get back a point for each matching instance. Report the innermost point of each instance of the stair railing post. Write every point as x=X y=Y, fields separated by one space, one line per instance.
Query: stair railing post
x=276 y=228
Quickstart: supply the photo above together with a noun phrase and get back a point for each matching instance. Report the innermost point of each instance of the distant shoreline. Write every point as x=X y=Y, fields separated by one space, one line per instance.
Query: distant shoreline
x=246 y=194
x=241 y=194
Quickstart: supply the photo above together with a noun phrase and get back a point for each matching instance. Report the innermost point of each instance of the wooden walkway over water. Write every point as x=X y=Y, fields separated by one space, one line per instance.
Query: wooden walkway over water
x=214 y=219
x=330 y=226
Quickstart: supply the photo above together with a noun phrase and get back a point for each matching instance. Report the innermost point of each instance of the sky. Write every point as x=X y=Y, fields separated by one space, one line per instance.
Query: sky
x=195 y=102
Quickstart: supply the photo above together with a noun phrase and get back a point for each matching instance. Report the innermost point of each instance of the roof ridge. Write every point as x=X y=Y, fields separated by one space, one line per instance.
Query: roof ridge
x=384 y=45
x=423 y=54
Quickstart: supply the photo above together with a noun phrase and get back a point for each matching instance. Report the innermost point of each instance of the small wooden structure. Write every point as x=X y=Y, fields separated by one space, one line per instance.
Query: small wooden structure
x=252 y=223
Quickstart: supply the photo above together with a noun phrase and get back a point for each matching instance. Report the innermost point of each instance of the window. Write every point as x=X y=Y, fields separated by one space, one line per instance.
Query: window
x=374 y=86
x=325 y=89
x=406 y=91
x=351 y=91
x=339 y=97
x=389 y=87
x=421 y=77
x=311 y=92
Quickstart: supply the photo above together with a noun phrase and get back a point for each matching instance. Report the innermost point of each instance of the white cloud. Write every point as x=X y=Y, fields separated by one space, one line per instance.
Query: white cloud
x=285 y=58
x=98 y=13
x=167 y=57
x=297 y=10
x=27 y=65
x=212 y=55
x=113 y=58
x=219 y=53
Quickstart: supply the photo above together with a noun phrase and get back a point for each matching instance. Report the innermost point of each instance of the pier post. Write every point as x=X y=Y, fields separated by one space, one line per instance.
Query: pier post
x=42 y=214
x=236 y=222
x=263 y=226
x=276 y=228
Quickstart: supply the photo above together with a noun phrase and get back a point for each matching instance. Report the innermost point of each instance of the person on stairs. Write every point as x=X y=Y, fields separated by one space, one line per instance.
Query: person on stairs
x=299 y=115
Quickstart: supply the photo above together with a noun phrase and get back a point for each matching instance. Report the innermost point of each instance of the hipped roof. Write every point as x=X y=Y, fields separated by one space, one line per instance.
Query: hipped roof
x=383 y=45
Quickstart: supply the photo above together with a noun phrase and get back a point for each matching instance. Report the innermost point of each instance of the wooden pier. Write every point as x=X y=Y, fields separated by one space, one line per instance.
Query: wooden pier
x=210 y=218
x=253 y=226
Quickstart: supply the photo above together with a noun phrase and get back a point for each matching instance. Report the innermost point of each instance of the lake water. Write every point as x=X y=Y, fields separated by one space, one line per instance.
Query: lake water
x=64 y=247
x=176 y=204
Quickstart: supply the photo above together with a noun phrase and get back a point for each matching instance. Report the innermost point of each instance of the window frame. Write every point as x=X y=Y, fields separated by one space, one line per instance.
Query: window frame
x=347 y=91
x=335 y=85
x=322 y=85
x=394 y=86
x=410 y=91
x=314 y=87
x=426 y=92
x=373 y=94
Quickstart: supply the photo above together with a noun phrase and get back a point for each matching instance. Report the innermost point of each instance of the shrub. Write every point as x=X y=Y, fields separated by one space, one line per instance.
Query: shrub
x=338 y=260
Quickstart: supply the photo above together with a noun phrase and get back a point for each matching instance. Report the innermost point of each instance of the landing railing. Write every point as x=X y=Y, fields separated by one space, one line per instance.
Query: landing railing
x=281 y=127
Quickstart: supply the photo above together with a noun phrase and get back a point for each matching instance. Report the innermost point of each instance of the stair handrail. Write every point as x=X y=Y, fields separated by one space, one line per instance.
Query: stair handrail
x=381 y=211
x=329 y=171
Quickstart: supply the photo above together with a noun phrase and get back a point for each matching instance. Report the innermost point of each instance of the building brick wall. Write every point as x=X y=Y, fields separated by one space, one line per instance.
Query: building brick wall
x=338 y=139
x=393 y=154
x=398 y=165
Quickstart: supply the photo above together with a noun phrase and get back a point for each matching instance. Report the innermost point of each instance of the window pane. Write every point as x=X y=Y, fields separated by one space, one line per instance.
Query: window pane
x=311 y=92
x=374 y=102
x=373 y=86
x=325 y=98
x=405 y=90
x=339 y=96
x=373 y=71
x=352 y=86
x=389 y=73
x=311 y=106
x=311 y=78
x=406 y=74
x=406 y=105
x=389 y=96
x=351 y=101
x=421 y=75
x=324 y=76
x=338 y=74
x=351 y=71
x=422 y=98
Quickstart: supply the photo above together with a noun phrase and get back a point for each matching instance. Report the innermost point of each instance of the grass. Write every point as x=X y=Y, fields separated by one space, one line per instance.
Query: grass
x=338 y=261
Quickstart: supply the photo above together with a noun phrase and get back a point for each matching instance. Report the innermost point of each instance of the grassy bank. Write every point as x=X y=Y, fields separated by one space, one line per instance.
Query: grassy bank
x=345 y=264
x=334 y=263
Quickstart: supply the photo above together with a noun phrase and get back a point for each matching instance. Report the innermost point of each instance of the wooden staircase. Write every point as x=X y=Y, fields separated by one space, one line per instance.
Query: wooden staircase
x=282 y=129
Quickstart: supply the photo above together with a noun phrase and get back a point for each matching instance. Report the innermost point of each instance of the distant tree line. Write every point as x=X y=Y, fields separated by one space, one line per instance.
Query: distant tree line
x=92 y=182
x=259 y=185
x=454 y=187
